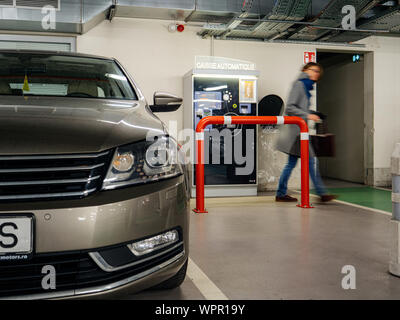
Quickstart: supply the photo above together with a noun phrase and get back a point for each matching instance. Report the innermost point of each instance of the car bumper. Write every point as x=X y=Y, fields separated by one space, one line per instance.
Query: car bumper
x=118 y=289
x=117 y=222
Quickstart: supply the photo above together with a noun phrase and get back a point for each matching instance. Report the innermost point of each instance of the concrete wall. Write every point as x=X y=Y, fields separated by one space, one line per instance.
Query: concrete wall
x=341 y=98
x=158 y=60
x=386 y=108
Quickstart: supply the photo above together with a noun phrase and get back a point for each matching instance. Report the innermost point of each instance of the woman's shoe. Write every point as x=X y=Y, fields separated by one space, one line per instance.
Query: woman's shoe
x=285 y=198
x=328 y=197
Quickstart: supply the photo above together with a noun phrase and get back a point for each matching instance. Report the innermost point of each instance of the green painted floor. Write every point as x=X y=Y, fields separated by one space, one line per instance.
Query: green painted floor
x=364 y=196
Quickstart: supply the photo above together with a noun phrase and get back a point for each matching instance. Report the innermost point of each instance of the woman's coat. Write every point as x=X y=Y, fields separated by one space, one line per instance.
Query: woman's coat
x=297 y=105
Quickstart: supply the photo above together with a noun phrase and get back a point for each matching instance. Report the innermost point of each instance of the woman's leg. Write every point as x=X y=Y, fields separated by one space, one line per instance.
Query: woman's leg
x=316 y=178
x=283 y=180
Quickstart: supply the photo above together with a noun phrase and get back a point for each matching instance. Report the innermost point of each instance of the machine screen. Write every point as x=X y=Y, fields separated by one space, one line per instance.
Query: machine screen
x=220 y=97
x=207 y=100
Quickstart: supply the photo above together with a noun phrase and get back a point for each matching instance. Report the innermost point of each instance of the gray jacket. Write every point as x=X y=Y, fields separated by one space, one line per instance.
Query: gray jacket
x=297 y=105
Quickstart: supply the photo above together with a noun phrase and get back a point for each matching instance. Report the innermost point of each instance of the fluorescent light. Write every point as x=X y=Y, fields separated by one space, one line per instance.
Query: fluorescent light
x=216 y=88
x=206 y=100
x=241 y=76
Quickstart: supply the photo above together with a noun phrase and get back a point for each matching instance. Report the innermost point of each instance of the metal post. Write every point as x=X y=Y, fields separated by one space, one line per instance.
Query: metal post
x=304 y=153
x=394 y=264
x=200 y=171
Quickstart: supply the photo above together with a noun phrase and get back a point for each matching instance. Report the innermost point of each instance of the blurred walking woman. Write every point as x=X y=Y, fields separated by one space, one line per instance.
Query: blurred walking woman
x=298 y=104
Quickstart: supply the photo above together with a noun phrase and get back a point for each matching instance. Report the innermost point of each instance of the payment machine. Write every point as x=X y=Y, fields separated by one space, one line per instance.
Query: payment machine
x=230 y=150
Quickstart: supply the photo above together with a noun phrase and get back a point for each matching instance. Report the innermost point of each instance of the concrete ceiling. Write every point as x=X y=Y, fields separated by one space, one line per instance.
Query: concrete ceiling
x=262 y=20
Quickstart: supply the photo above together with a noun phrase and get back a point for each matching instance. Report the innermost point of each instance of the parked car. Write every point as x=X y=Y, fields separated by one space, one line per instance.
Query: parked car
x=94 y=197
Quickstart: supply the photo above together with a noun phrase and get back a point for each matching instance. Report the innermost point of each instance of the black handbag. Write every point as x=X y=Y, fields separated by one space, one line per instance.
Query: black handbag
x=323 y=142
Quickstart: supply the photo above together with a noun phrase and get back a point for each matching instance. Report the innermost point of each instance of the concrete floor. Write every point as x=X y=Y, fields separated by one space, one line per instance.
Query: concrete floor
x=255 y=248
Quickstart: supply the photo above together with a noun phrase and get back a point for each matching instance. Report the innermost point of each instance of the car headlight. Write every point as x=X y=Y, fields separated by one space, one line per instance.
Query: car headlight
x=143 y=162
x=154 y=243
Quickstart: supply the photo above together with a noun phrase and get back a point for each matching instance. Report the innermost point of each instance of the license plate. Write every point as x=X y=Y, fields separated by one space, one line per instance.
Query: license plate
x=16 y=237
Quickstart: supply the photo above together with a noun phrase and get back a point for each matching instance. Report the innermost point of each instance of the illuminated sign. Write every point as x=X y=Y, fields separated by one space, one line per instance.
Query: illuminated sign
x=220 y=63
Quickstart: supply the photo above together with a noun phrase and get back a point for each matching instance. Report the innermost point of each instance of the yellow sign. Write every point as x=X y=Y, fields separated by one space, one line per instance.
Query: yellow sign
x=235 y=106
x=249 y=89
x=26 y=84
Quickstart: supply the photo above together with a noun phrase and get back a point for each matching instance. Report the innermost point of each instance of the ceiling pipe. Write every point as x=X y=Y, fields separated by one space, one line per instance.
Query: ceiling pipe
x=335 y=44
x=322 y=11
x=368 y=7
x=187 y=19
x=310 y=24
x=278 y=35
x=112 y=11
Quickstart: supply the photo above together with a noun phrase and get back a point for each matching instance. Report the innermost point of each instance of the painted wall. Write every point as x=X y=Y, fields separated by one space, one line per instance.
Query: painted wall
x=158 y=60
x=386 y=104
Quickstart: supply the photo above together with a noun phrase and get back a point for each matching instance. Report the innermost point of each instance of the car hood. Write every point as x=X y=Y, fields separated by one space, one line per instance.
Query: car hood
x=54 y=125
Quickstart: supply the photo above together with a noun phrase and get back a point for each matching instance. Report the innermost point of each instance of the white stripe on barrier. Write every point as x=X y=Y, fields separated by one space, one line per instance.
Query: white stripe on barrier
x=227 y=120
x=280 y=120
x=199 y=136
x=304 y=136
x=396 y=197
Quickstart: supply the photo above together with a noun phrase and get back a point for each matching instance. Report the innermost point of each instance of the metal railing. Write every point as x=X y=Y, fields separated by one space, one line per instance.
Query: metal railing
x=304 y=147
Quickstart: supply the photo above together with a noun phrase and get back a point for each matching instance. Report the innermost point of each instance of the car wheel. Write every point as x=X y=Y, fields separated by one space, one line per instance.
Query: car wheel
x=175 y=281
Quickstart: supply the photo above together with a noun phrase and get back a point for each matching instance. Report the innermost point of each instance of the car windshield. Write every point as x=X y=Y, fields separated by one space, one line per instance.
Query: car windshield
x=61 y=75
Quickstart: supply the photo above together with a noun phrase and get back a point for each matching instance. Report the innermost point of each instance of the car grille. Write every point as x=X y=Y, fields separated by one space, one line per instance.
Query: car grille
x=74 y=270
x=46 y=177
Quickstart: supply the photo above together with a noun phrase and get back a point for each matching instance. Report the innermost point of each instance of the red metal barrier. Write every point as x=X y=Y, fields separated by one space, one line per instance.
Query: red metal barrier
x=304 y=147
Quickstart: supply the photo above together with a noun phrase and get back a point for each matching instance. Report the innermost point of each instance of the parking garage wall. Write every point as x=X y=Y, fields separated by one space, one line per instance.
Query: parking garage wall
x=158 y=60
x=386 y=104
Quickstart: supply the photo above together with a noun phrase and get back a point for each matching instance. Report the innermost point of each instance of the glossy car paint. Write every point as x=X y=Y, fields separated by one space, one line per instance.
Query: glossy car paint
x=57 y=125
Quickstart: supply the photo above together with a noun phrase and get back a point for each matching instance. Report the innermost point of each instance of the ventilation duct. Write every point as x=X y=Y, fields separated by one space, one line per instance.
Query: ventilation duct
x=37 y=4
x=71 y=15
x=155 y=9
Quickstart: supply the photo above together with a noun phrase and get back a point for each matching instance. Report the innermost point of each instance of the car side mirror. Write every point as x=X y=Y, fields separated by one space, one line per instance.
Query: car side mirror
x=165 y=102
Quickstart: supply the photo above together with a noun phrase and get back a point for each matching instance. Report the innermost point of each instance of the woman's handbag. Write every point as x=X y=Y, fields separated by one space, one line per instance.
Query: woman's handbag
x=323 y=142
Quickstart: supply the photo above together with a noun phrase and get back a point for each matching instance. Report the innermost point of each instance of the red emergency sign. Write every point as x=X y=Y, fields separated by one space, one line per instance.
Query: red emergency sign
x=309 y=57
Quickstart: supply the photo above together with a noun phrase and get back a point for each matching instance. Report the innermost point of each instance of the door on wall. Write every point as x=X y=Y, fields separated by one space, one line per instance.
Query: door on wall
x=46 y=43
x=340 y=96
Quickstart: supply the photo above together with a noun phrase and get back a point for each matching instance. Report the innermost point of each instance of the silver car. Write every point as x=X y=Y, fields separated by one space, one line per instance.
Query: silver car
x=94 y=196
